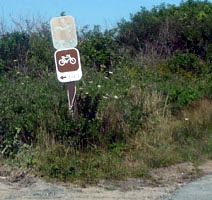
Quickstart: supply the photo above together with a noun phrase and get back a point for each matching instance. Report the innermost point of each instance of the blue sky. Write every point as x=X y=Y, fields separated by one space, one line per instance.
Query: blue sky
x=86 y=12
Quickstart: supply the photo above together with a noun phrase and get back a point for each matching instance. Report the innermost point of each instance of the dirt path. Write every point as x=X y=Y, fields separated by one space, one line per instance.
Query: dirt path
x=20 y=185
x=43 y=190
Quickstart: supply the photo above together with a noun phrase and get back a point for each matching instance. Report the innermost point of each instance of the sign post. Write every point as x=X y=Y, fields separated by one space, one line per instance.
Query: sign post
x=67 y=58
x=71 y=92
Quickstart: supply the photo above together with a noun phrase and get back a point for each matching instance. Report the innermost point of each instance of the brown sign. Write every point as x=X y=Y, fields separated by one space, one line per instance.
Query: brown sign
x=68 y=66
x=67 y=60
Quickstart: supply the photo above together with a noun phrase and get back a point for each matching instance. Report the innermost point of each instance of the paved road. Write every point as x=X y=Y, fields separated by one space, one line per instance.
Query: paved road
x=200 y=189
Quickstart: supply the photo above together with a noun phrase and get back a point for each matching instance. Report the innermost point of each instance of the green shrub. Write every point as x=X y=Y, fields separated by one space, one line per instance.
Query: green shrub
x=28 y=52
x=41 y=52
x=169 y=28
x=13 y=50
x=186 y=64
x=99 y=50
x=182 y=96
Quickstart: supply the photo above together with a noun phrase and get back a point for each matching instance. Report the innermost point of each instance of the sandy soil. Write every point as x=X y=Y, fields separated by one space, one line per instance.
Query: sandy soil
x=22 y=185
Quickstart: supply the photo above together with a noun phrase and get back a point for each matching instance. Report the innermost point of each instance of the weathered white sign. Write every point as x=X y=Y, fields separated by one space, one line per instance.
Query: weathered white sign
x=63 y=31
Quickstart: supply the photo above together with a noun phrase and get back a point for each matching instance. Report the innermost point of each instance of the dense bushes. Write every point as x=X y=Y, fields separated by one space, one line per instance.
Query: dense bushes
x=187 y=64
x=27 y=52
x=167 y=28
x=99 y=50
x=13 y=50
x=131 y=111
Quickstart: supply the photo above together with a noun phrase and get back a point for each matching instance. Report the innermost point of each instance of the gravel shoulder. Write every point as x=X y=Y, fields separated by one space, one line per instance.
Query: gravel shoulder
x=21 y=185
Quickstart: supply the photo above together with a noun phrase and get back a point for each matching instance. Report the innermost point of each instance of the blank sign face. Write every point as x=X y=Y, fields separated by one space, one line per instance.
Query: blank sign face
x=63 y=31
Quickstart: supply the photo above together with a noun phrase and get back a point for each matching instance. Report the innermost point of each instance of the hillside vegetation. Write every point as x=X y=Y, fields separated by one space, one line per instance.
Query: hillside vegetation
x=144 y=100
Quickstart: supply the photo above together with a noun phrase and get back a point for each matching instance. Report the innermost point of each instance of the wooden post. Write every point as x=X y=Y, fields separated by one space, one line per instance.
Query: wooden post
x=71 y=93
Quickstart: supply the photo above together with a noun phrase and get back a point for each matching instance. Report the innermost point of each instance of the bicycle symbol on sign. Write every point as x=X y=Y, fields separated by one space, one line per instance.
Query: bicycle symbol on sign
x=65 y=59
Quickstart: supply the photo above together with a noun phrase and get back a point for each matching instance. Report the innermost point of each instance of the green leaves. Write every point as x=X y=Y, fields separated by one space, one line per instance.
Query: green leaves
x=27 y=52
x=168 y=28
x=99 y=50
x=187 y=64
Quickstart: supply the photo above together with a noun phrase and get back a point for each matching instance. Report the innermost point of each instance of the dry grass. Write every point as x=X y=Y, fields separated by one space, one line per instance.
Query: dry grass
x=168 y=139
x=154 y=141
x=199 y=113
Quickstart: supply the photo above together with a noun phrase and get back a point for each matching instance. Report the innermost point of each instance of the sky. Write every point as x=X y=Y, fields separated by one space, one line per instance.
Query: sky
x=106 y=13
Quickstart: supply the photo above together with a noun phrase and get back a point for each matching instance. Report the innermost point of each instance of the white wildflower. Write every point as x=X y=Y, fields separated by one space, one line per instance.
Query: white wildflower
x=116 y=97
x=99 y=86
